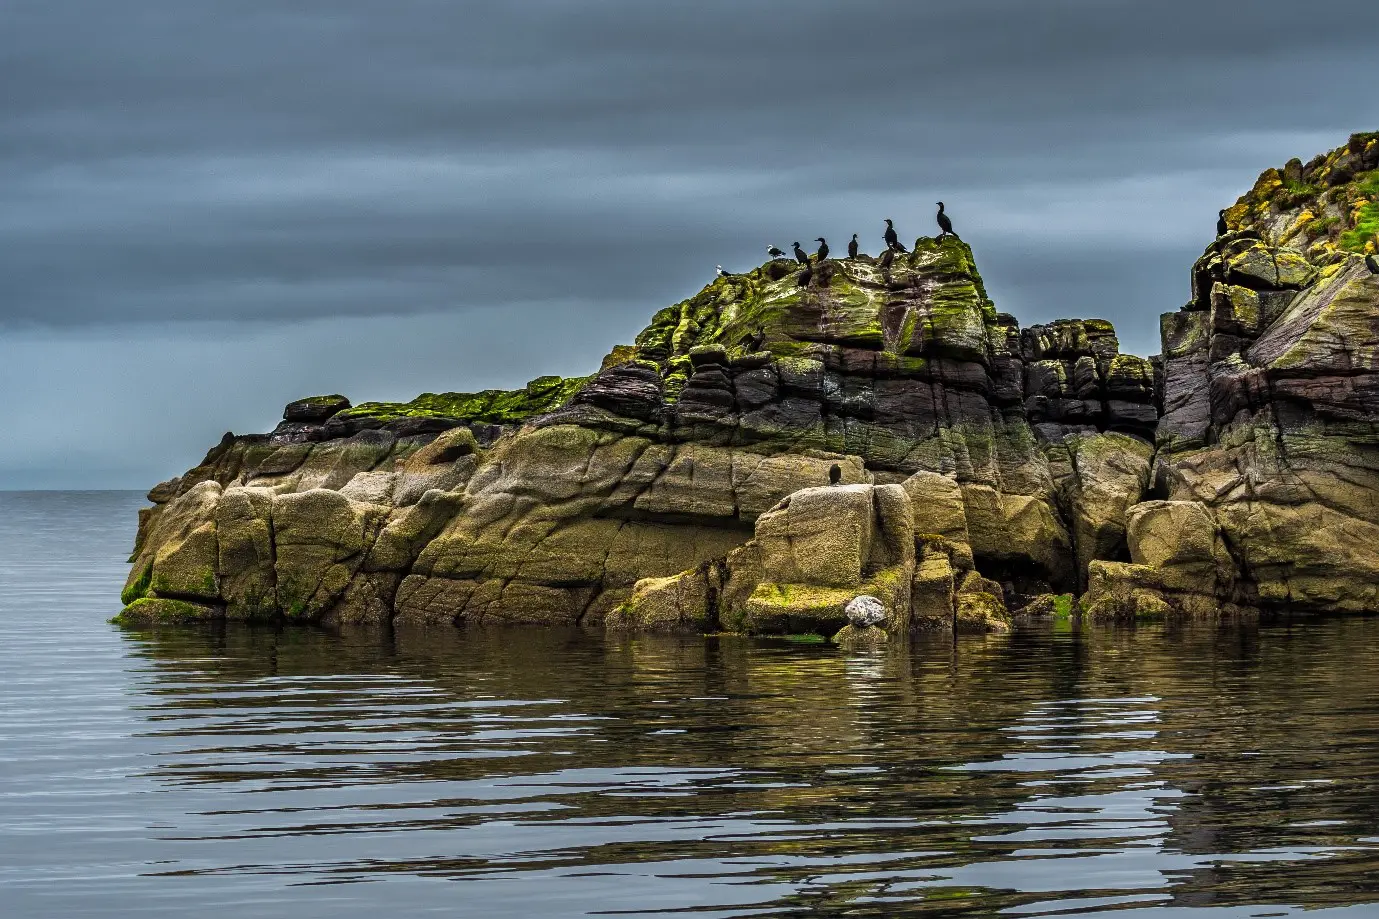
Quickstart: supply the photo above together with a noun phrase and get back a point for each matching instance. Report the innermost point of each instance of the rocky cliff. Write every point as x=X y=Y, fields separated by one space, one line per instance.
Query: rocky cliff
x=984 y=467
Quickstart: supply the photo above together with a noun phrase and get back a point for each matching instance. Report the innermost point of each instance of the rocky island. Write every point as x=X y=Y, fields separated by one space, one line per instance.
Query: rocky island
x=986 y=469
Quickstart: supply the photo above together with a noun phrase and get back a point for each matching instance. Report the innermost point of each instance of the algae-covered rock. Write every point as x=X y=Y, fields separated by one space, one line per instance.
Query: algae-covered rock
x=820 y=536
x=1122 y=592
x=686 y=602
x=855 y=636
x=315 y=409
x=933 y=599
x=1110 y=474
x=685 y=484
x=157 y=610
x=321 y=538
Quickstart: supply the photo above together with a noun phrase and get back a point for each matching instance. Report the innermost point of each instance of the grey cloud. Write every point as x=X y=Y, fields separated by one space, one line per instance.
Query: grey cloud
x=459 y=168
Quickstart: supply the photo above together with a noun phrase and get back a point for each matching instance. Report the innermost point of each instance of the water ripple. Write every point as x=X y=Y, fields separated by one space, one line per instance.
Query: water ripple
x=1189 y=773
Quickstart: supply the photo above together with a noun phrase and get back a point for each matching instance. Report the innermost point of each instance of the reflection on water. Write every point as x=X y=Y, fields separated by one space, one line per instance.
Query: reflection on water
x=253 y=772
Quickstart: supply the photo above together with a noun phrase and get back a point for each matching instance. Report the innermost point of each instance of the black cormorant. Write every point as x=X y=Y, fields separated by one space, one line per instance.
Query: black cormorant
x=835 y=474
x=892 y=241
x=944 y=224
x=774 y=252
x=886 y=258
x=800 y=255
x=1372 y=263
x=852 y=247
x=1221 y=228
x=805 y=277
x=823 y=249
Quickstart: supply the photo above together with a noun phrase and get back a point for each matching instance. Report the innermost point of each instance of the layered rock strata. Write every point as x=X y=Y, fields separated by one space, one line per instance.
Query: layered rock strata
x=1267 y=462
x=683 y=486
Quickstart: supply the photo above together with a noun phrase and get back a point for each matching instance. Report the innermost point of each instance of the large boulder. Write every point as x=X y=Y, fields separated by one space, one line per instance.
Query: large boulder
x=1110 y=473
x=820 y=548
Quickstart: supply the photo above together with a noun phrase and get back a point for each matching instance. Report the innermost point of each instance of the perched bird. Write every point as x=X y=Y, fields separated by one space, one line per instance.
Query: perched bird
x=722 y=273
x=892 y=241
x=1221 y=228
x=852 y=247
x=944 y=224
x=774 y=252
x=835 y=474
x=757 y=339
x=1372 y=263
x=805 y=277
x=823 y=248
x=800 y=255
x=886 y=258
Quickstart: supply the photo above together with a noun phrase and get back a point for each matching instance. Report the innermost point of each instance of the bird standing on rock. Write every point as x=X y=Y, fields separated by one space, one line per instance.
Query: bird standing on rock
x=722 y=273
x=892 y=241
x=800 y=255
x=1221 y=228
x=852 y=247
x=805 y=277
x=774 y=252
x=1371 y=263
x=884 y=263
x=944 y=224
x=823 y=249
x=835 y=474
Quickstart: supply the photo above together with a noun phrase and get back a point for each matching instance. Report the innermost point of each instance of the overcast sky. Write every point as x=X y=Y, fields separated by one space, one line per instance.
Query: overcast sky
x=211 y=207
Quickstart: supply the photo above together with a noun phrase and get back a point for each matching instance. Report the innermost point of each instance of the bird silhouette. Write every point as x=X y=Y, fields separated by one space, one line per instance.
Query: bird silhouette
x=722 y=273
x=800 y=255
x=835 y=474
x=944 y=224
x=823 y=249
x=774 y=252
x=805 y=277
x=1221 y=228
x=892 y=241
x=886 y=259
x=852 y=247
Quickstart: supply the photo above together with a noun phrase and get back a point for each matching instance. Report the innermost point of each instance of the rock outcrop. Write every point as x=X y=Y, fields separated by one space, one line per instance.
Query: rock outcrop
x=684 y=485
x=1267 y=462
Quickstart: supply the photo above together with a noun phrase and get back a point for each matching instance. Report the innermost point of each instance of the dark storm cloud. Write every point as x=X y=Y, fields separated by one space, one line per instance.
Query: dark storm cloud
x=183 y=159
x=271 y=163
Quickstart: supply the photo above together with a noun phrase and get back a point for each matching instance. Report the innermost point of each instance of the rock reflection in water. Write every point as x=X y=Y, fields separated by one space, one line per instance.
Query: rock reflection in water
x=560 y=774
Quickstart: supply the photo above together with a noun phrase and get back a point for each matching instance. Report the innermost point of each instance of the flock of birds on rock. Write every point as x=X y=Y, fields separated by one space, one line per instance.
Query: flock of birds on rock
x=892 y=240
x=945 y=225
x=757 y=339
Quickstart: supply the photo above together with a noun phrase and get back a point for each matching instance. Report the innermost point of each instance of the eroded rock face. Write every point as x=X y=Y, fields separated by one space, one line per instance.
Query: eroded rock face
x=685 y=485
x=1267 y=449
x=552 y=503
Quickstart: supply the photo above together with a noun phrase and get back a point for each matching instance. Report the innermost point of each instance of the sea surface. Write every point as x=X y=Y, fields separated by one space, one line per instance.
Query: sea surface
x=1198 y=772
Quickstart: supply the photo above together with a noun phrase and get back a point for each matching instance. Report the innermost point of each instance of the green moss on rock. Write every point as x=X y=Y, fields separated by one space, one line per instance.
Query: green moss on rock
x=492 y=406
x=1328 y=206
x=1364 y=235
x=153 y=610
x=138 y=585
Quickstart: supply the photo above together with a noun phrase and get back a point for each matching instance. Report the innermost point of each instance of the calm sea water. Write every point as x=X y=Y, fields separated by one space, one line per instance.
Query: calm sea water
x=238 y=772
